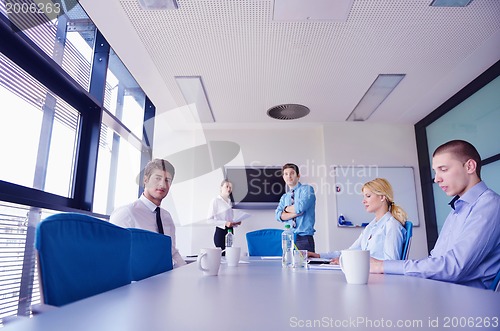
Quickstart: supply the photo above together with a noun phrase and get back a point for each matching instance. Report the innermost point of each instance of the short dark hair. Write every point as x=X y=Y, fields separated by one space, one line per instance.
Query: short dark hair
x=160 y=164
x=290 y=166
x=224 y=181
x=462 y=150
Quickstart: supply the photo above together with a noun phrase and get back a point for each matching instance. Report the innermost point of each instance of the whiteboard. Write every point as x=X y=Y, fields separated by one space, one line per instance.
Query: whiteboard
x=350 y=179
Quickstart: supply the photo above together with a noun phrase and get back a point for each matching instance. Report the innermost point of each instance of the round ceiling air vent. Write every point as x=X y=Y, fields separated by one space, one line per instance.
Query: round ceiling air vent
x=288 y=112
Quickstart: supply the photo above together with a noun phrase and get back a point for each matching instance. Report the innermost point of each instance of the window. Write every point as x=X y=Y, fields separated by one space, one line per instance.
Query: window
x=67 y=39
x=120 y=146
x=472 y=115
x=118 y=169
x=14 y=220
x=63 y=150
x=474 y=120
x=38 y=132
x=124 y=98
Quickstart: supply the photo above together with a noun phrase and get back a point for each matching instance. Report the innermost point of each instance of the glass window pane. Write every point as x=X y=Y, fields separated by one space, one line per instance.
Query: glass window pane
x=490 y=175
x=78 y=54
x=40 y=149
x=15 y=267
x=475 y=120
x=123 y=96
x=118 y=169
x=75 y=36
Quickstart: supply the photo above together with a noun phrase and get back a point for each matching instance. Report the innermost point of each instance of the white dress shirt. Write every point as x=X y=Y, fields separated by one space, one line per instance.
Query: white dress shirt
x=141 y=214
x=220 y=212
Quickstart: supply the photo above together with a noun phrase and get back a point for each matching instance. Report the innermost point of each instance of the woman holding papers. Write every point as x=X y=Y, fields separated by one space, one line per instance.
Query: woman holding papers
x=221 y=214
x=384 y=236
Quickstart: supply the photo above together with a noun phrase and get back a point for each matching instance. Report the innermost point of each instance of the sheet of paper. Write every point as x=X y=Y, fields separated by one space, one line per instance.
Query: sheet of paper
x=270 y=257
x=240 y=216
x=325 y=266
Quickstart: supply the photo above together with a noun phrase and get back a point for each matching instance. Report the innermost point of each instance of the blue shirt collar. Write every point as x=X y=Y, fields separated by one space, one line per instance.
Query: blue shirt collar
x=384 y=219
x=295 y=187
x=471 y=195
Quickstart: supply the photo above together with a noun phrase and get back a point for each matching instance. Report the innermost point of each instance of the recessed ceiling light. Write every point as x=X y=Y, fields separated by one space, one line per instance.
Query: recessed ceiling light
x=450 y=3
x=158 y=4
x=312 y=10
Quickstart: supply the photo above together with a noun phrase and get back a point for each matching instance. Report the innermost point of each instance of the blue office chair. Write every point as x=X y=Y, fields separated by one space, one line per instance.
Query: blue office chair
x=495 y=286
x=150 y=254
x=265 y=242
x=80 y=256
x=407 y=243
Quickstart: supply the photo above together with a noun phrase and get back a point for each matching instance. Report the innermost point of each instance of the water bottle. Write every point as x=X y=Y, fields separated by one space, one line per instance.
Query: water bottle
x=287 y=246
x=229 y=238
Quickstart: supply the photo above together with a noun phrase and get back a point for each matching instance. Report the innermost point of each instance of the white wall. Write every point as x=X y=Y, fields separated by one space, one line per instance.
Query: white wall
x=360 y=143
x=266 y=147
x=314 y=149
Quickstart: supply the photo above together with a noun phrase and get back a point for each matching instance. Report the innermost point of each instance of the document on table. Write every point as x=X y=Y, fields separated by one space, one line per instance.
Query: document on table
x=270 y=257
x=324 y=266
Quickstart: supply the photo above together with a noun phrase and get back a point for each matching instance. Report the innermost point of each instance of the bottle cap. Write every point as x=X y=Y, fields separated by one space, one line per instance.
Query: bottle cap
x=287 y=226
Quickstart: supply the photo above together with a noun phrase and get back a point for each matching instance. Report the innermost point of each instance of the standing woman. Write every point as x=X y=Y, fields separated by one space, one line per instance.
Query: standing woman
x=384 y=236
x=221 y=214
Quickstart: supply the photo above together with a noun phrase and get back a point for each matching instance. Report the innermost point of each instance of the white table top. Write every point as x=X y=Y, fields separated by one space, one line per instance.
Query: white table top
x=261 y=295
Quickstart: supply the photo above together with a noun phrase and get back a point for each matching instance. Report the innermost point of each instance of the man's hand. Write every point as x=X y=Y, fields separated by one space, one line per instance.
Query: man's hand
x=376 y=266
x=312 y=254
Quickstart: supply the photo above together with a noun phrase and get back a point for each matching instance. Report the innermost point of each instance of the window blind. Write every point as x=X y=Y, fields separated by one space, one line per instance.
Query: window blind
x=13 y=230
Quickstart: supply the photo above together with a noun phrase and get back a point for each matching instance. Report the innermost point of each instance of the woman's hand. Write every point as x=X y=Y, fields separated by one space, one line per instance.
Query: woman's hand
x=376 y=266
x=335 y=260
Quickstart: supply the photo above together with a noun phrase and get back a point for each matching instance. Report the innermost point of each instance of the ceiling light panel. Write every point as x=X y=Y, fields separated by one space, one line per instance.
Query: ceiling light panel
x=311 y=10
x=450 y=3
x=158 y=4
x=374 y=96
x=194 y=92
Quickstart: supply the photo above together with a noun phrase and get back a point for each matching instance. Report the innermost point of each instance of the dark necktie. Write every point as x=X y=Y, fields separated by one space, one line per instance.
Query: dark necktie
x=292 y=200
x=158 y=220
x=452 y=202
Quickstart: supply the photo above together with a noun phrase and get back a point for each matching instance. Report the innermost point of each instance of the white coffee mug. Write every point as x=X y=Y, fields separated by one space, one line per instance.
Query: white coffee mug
x=356 y=265
x=233 y=256
x=209 y=261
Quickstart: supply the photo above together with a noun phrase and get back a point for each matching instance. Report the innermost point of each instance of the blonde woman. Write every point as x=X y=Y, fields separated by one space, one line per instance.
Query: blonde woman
x=384 y=236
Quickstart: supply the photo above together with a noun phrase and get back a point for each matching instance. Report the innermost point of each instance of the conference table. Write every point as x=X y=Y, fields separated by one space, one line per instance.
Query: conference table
x=259 y=294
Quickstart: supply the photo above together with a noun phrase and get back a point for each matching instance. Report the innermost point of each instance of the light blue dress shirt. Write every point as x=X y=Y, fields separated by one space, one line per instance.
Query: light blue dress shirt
x=383 y=238
x=305 y=205
x=468 y=248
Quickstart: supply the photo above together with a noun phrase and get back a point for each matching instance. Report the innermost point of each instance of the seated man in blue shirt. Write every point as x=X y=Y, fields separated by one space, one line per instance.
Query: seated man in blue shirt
x=468 y=248
x=297 y=207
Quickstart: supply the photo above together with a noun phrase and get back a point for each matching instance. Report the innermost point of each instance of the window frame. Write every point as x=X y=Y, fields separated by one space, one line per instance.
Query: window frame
x=27 y=55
